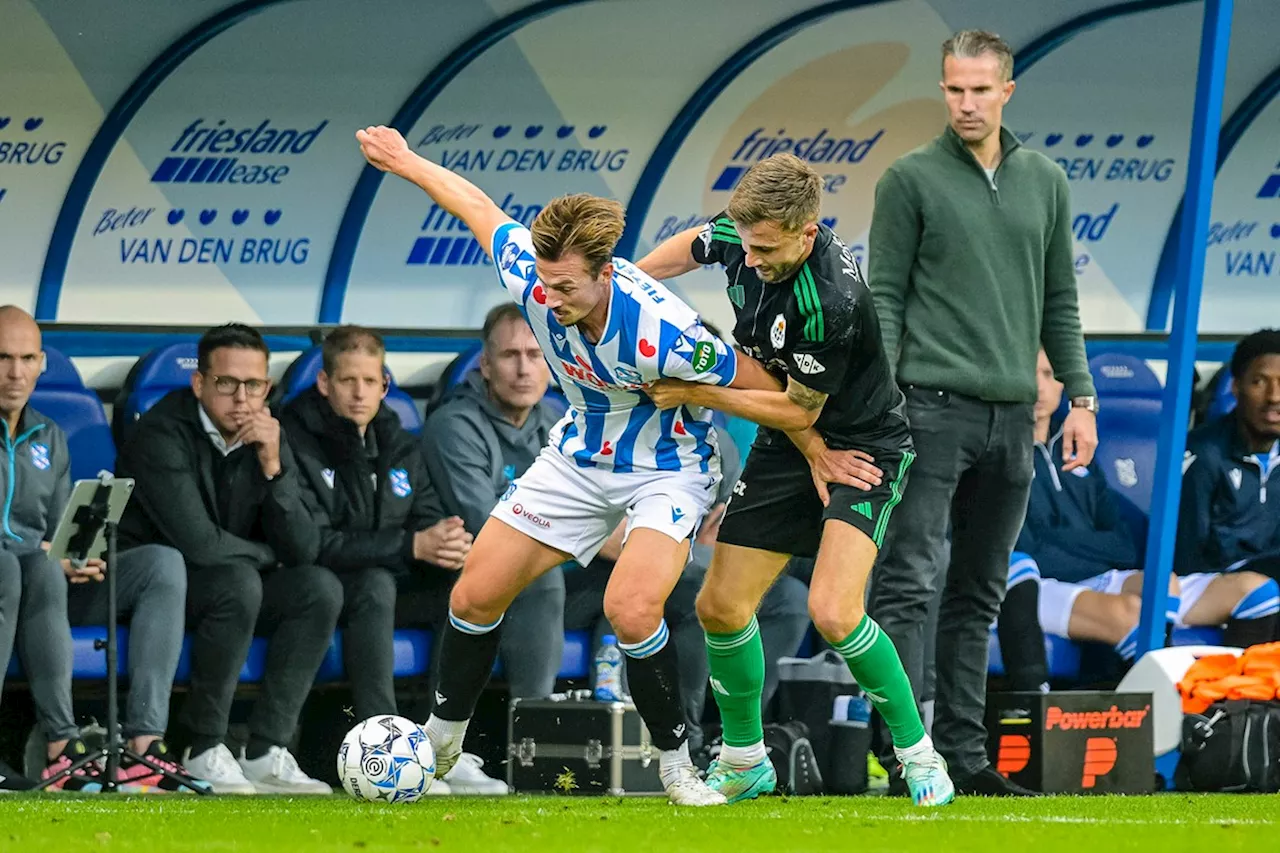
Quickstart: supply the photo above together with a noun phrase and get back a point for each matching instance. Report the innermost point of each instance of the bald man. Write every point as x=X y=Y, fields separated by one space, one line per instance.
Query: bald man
x=151 y=589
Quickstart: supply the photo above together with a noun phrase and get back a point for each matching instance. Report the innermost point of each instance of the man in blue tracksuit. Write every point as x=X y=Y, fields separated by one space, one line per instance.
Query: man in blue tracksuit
x=1226 y=522
x=1076 y=544
x=35 y=591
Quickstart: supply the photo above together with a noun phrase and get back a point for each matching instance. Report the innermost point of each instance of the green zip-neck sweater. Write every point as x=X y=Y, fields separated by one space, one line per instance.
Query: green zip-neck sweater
x=972 y=275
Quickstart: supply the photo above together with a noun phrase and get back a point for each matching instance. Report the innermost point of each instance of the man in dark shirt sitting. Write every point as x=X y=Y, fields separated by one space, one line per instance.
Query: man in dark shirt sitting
x=217 y=480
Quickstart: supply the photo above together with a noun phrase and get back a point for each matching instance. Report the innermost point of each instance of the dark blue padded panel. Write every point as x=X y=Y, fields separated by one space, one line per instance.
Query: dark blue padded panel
x=1223 y=401
x=1063 y=657
x=575 y=660
x=160 y=371
x=302 y=373
x=86 y=661
x=251 y=673
x=412 y=653
x=1118 y=375
x=467 y=361
x=60 y=394
x=1200 y=635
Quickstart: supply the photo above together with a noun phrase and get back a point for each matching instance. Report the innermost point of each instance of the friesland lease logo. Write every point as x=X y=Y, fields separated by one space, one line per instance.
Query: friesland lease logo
x=844 y=113
x=216 y=152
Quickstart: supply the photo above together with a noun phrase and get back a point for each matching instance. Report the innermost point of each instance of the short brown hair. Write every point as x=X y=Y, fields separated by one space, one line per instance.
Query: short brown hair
x=782 y=188
x=346 y=339
x=499 y=314
x=970 y=44
x=579 y=224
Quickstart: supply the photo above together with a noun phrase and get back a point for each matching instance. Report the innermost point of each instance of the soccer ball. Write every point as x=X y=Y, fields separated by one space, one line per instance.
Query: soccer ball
x=387 y=759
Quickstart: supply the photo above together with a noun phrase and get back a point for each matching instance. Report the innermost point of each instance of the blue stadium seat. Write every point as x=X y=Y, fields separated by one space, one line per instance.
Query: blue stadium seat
x=1223 y=401
x=301 y=375
x=60 y=394
x=251 y=673
x=160 y=371
x=457 y=370
x=1128 y=423
x=86 y=662
x=1063 y=657
x=1201 y=635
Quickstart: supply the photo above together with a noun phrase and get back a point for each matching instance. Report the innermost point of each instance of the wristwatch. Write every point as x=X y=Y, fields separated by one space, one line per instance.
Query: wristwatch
x=1088 y=403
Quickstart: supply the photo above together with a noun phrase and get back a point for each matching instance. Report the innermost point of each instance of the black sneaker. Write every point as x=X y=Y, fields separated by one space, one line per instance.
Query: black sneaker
x=11 y=780
x=85 y=780
x=136 y=777
x=988 y=783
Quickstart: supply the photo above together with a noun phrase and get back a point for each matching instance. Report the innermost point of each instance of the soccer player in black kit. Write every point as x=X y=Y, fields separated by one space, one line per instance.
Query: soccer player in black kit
x=803 y=309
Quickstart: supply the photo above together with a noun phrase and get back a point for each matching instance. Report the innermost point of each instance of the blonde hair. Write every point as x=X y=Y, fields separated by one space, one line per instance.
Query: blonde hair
x=782 y=188
x=579 y=224
x=970 y=44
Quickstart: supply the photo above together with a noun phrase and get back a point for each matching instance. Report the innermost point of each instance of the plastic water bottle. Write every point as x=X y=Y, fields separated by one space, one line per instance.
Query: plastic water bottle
x=609 y=670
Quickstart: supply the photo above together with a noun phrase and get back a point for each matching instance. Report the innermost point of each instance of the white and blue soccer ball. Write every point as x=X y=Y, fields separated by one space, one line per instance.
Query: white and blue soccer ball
x=386 y=759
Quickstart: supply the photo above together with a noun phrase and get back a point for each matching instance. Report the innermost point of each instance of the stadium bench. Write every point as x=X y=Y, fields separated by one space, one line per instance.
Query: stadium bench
x=412 y=657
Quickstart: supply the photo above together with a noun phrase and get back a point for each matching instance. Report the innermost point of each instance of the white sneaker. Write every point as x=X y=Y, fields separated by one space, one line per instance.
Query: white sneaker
x=688 y=790
x=439 y=788
x=219 y=768
x=466 y=777
x=277 y=772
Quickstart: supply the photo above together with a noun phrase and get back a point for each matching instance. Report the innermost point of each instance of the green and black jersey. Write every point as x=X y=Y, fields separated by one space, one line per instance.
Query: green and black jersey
x=818 y=327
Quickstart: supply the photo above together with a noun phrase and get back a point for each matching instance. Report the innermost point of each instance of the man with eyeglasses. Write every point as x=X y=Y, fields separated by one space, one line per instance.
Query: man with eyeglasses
x=217 y=480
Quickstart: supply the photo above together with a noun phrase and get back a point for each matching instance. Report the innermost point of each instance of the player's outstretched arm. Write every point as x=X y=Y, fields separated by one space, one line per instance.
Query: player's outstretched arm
x=673 y=256
x=387 y=150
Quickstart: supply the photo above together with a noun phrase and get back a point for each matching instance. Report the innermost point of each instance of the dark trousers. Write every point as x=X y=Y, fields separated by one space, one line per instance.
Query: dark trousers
x=295 y=608
x=972 y=475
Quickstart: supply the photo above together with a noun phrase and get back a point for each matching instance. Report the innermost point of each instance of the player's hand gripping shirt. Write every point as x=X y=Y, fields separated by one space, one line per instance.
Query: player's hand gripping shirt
x=650 y=334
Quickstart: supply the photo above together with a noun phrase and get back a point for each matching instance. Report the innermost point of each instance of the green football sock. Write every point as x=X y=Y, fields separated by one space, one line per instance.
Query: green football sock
x=876 y=667
x=737 y=681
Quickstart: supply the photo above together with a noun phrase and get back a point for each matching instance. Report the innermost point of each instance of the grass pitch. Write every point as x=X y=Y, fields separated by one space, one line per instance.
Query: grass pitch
x=1165 y=823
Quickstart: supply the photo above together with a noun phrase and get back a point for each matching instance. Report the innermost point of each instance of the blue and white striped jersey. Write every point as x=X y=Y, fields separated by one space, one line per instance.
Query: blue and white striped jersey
x=651 y=334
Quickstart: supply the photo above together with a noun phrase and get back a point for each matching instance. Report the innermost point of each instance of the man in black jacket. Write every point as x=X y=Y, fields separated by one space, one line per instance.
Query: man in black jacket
x=217 y=480
x=379 y=517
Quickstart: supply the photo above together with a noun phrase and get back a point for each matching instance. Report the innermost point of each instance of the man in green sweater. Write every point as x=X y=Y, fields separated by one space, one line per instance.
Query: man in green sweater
x=971 y=271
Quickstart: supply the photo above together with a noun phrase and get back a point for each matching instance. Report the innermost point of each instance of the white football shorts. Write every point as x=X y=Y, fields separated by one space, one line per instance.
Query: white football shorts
x=575 y=509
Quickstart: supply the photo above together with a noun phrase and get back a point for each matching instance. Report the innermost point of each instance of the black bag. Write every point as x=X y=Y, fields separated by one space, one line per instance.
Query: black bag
x=787 y=745
x=1233 y=746
x=807 y=690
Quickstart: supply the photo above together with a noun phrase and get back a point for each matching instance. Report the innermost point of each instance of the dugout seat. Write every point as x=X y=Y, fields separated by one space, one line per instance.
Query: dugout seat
x=1128 y=423
x=61 y=394
x=301 y=375
x=160 y=371
x=1222 y=401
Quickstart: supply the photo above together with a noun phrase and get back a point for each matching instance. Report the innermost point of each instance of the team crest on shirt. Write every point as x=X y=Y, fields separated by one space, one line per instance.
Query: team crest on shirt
x=40 y=456
x=400 y=482
x=326 y=474
x=511 y=490
x=778 y=332
x=628 y=375
x=510 y=254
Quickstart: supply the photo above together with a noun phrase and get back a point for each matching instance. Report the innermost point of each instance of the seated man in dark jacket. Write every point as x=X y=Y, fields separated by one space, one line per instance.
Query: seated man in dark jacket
x=1076 y=567
x=379 y=516
x=217 y=480
x=1226 y=525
